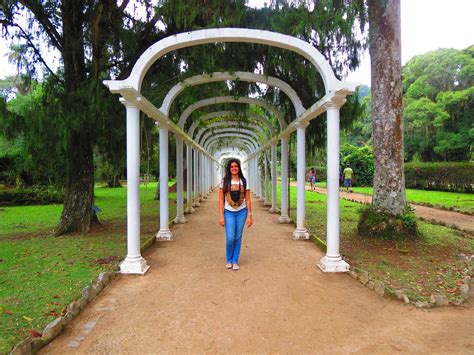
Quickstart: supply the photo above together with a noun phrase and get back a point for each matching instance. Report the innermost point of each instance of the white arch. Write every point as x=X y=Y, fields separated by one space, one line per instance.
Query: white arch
x=216 y=114
x=254 y=144
x=188 y=39
x=230 y=99
x=248 y=132
x=253 y=140
x=232 y=123
x=242 y=147
x=240 y=76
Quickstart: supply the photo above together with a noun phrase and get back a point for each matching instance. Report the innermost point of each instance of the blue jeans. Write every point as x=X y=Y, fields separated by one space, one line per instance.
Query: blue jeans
x=234 y=226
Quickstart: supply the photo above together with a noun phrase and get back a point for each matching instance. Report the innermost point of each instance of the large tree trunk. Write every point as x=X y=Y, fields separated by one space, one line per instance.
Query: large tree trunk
x=387 y=106
x=77 y=213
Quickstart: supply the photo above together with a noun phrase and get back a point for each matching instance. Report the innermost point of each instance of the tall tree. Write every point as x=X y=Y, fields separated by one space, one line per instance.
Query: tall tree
x=387 y=106
x=83 y=33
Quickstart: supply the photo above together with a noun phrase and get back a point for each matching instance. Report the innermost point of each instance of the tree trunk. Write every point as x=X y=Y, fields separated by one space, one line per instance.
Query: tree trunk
x=387 y=106
x=77 y=214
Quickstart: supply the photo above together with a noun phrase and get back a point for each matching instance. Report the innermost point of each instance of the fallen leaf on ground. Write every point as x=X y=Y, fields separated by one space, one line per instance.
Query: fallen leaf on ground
x=34 y=333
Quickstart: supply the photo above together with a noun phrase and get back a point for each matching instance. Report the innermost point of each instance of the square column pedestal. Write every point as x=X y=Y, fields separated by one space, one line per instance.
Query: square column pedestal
x=300 y=233
x=329 y=264
x=164 y=234
x=136 y=265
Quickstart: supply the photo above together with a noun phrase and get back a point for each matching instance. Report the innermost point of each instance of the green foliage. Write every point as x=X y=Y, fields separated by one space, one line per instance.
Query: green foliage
x=440 y=176
x=361 y=160
x=438 y=108
x=439 y=105
x=36 y=195
x=377 y=224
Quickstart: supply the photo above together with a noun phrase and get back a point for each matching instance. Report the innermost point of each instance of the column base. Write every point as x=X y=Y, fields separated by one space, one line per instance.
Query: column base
x=180 y=220
x=136 y=265
x=284 y=219
x=200 y=198
x=164 y=234
x=196 y=204
x=189 y=210
x=331 y=264
x=300 y=233
x=274 y=210
x=267 y=204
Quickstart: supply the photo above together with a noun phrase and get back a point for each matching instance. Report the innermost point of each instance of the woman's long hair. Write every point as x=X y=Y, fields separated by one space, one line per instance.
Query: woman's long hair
x=228 y=176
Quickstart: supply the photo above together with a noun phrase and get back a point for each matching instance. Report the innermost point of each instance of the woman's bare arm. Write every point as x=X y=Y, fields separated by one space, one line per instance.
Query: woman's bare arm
x=221 y=207
x=249 y=208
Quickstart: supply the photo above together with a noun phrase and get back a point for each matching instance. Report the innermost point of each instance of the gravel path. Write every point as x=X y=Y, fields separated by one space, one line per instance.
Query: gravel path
x=278 y=302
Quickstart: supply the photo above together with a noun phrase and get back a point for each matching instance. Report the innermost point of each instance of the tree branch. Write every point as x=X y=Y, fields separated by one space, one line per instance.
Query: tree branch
x=26 y=36
x=45 y=22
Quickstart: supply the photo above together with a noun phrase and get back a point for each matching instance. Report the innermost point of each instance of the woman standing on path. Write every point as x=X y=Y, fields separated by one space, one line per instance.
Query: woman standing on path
x=234 y=209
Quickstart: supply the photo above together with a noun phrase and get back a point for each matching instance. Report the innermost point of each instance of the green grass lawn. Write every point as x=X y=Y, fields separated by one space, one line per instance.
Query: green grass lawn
x=41 y=274
x=428 y=265
x=462 y=201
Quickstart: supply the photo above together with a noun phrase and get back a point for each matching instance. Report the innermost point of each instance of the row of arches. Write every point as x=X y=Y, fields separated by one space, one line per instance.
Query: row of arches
x=251 y=139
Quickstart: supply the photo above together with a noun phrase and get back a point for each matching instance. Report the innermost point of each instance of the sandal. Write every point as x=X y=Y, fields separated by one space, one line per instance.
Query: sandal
x=228 y=266
x=235 y=267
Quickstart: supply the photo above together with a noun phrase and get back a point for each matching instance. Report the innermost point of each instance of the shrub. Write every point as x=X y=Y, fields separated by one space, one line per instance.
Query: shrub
x=37 y=195
x=456 y=177
x=361 y=160
x=373 y=223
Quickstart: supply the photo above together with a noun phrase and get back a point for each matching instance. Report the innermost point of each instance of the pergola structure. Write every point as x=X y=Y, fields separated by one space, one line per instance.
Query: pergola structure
x=249 y=141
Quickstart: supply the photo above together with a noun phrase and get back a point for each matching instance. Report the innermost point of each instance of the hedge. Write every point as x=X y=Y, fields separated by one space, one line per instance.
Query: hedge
x=30 y=196
x=452 y=176
x=455 y=177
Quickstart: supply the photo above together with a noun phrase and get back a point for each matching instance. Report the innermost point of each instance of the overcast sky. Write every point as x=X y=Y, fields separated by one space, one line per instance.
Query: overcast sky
x=426 y=25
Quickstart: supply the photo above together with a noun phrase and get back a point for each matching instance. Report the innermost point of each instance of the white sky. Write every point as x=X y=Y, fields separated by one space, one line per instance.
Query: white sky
x=426 y=25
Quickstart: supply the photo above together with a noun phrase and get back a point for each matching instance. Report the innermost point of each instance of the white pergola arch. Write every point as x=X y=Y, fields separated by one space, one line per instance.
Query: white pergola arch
x=233 y=130
x=261 y=119
x=221 y=124
x=134 y=101
x=230 y=99
x=237 y=76
x=254 y=143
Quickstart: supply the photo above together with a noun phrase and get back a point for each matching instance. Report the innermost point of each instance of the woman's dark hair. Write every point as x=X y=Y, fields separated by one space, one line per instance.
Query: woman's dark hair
x=228 y=176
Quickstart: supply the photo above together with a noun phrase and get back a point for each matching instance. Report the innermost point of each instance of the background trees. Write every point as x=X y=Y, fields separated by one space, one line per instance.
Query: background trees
x=439 y=103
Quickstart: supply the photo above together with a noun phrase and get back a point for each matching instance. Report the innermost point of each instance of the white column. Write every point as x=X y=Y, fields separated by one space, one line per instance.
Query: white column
x=332 y=261
x=261 y=180
x=274 y=208
x=189 y=182
x=266 y=189
x=133 y=263
x=196 y=175
x=300 y=232
x=200 y=169
x=164 y=233
x=284 y=218
x=206 y=176
x=179 y=182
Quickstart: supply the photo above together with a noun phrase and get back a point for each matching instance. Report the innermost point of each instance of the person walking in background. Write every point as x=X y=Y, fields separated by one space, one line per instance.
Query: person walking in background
x=348 y=174
x=312 y=179
x=234 y=209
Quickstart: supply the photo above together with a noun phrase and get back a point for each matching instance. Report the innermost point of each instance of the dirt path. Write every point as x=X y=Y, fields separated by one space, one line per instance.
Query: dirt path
x=278 y=302
x=450 y=218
